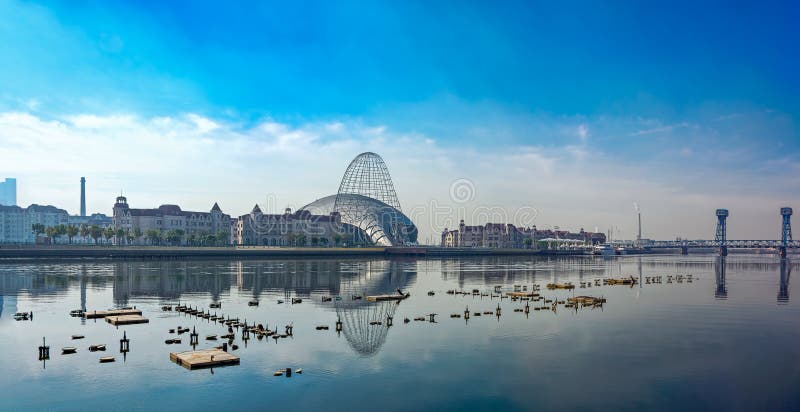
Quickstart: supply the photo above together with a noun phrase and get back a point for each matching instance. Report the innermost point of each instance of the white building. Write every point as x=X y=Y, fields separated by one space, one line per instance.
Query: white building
x=16 y=223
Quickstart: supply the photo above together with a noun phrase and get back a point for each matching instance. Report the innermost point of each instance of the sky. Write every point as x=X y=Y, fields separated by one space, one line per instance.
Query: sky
x=559 y=114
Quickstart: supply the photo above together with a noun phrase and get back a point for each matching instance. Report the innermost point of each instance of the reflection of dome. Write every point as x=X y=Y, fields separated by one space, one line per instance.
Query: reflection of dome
x=378 y=277
x=364 y=338
x=383 y=224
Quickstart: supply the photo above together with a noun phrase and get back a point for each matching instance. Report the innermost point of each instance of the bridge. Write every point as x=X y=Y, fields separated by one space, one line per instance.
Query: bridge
x=722 y=242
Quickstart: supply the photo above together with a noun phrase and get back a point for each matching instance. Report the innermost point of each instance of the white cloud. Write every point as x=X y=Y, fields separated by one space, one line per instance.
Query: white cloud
x=583 y=132
x=194 y=161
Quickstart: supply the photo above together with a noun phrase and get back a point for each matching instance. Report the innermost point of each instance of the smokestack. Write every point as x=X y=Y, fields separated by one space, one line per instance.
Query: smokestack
x=83 y=196
x=639 y=237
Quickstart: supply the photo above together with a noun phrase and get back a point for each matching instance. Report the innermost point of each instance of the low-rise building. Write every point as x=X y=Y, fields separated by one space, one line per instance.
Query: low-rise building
x=300 y=228
x=143 y=226
x=506 y=235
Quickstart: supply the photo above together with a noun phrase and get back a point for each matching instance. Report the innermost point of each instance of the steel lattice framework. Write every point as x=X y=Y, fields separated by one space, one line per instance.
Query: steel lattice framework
x=368 y=176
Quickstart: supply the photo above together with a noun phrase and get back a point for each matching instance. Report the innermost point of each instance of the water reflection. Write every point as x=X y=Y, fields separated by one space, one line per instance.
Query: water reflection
x=783 y=288
x=719 y=270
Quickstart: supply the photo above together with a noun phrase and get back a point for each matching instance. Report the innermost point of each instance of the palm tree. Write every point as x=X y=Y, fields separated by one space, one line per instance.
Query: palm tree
x=119 y=234
x=152 y=236
x=84 y=231
x=72 y=231
x=95 y=232
x=38 y=229
x=108 y=233
x=137 y=233
x=50 y=232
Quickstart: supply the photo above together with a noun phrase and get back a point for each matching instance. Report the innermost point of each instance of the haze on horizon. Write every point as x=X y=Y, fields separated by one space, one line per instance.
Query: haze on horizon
x=574 y=110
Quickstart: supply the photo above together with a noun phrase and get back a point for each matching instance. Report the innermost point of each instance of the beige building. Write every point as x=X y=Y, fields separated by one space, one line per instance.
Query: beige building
x=495 y=235
x=300 y=228
x=170 y=218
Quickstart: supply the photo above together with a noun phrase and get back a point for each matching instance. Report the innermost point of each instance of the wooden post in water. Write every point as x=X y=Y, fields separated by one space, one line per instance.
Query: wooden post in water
x=44 y=350
x=124 y=343
x=193 y=337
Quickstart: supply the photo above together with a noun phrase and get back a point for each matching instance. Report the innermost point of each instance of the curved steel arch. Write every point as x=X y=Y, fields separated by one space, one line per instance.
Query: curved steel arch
x=367 y=175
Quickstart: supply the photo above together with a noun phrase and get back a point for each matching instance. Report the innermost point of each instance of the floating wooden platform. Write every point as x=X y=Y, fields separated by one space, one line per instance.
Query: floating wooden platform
x=114 y=312
x=522 y=294
x=207 y=358
x=396 y=296
x=126 y=319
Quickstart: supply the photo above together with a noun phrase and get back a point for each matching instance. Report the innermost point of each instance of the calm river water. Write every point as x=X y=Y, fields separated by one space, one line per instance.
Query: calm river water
x=727 y=340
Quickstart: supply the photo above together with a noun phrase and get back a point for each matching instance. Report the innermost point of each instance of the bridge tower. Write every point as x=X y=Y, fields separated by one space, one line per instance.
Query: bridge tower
x=722 y=232
x=786 y=230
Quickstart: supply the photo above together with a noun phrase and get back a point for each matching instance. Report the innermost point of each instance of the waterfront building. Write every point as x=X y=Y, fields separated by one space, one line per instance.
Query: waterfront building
x=301 y=228
x=95 y=219
x=16 y=223
x=506 y=235
x=186 y=227
x=8 y=192
x=367 y=199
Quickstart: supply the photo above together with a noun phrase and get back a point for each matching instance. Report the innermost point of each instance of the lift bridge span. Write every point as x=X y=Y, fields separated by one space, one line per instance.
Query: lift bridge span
x=722 y=242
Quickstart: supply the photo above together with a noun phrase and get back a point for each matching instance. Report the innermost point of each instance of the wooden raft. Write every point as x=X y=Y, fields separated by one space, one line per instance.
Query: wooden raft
x=126 y=319
x=207 y=358
x=113 y=312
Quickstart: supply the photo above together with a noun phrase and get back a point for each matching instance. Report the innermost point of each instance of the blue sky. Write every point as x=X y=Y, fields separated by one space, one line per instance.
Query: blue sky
x=575 y=109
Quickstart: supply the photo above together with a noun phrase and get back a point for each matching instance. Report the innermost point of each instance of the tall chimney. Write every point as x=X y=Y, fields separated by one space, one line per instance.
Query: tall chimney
x=83 y=196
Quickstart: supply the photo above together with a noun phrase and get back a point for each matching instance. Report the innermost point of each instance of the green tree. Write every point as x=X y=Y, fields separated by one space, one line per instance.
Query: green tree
x=324 y=241
x=137 y=233
x=38 y=229
x=119 y=234
x=72 y=231
x=337 y=239
x=84 y=231
x=50 y=232
x=300 y=240
x=152 y=236
x=223 y=238
x=174 y=236
x=108 y=233
x=95 y=232
x=314 y=241
x=528 y=242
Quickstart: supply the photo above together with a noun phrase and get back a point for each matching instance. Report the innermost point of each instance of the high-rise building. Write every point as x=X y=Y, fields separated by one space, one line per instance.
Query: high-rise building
x=8 y=192
x=83 y=197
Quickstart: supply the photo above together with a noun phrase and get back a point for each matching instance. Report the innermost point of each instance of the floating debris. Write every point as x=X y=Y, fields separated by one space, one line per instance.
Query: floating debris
x=99 y=347
x=77 y=337
x=107 y=359
x=68 y=350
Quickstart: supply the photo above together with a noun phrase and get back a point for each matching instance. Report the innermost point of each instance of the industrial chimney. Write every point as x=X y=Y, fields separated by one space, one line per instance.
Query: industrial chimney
x=83 y=196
